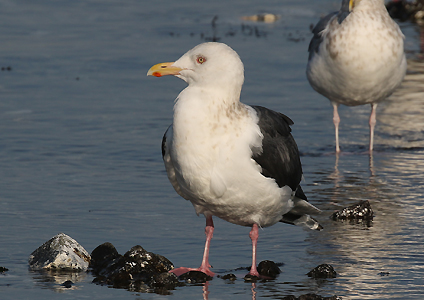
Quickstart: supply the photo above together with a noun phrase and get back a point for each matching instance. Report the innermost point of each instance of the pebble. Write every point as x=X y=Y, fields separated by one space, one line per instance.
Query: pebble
x=269 y=269
x=195 y=277
x=3 y=269
x=67 y=284
x=230 y=277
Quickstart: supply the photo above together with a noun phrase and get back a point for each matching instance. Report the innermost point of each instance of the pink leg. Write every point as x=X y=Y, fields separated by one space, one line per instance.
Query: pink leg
x=204 y=267
x=373 y=121
x=254 y=234
x=209 y=234
x=336 y=121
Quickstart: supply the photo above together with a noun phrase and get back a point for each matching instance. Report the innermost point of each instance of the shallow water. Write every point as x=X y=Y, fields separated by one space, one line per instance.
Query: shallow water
x=81 y=127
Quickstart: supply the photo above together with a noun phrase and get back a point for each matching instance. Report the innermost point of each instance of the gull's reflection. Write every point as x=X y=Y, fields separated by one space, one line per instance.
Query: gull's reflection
x=387 y=252
x=361 y=250
x=401 y=122
x=336 y=176
x=206 y=291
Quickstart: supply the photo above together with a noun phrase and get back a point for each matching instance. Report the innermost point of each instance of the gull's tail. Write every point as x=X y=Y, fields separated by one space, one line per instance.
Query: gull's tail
x=300 y=213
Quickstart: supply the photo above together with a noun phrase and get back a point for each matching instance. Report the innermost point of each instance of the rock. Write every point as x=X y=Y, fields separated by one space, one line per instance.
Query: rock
x=164 y=280
x=407 y=10
x=359 y=211
x=250 y=277
x=147 y=261
x=268 y=268
x=230 y=277
x=195 y=277
x=322 y=271
x=61 y=252
x=67 y=284
x=102 y=256
x=3 y=269
x=137 y=270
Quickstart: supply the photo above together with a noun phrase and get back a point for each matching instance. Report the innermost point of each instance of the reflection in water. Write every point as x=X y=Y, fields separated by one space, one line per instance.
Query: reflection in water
x=55 y=280
x=401 y=122
x=206 y=291
x=386 y=254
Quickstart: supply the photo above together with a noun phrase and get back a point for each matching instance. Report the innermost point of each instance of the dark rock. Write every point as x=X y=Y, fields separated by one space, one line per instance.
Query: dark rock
x=137 y=270
x=268 y=268
x=322 y=271
x=195 y=277
x=359 y=211
x=230 y=277
x=250 y=277
x=164 y=280
x=67 y=284
x=407 y=10
x=148 y=261
x=3 y=269
x=102 y=256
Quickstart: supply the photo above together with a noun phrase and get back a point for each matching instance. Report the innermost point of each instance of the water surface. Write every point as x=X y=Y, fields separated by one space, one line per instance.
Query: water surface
x=81 y=127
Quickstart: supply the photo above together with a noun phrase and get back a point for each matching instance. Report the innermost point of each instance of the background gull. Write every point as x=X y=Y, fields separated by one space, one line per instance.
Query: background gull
x=231 y=160
x=356 y=57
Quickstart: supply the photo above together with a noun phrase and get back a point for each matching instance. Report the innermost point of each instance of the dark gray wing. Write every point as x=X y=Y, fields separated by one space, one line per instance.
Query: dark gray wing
x=317 y=38
x=164 y=141
x=344 y=11
x=280 y=160
x=323 y=23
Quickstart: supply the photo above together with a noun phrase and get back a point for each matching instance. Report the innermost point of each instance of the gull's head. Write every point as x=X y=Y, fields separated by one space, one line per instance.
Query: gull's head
x=208 y=64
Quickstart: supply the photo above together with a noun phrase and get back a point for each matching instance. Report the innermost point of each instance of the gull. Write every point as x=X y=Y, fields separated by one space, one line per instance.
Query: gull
x=356 y=57
x=233 y=161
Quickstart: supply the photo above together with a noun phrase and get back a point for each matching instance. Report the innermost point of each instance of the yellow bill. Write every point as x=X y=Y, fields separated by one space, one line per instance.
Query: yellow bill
x=163 y=69
x=351 y=4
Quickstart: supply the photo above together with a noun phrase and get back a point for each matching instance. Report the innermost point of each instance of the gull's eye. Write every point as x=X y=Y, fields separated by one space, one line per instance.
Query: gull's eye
x=200 y=60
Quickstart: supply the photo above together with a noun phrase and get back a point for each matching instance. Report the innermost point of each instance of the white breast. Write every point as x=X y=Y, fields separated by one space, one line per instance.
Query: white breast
x=360 y=60
x=211 y=157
